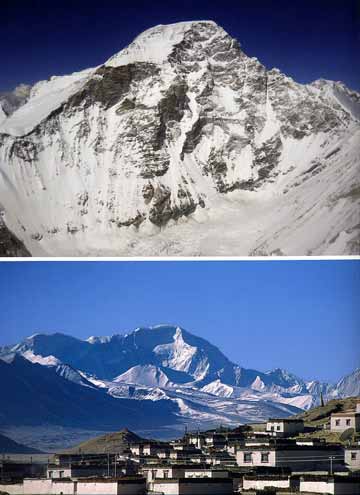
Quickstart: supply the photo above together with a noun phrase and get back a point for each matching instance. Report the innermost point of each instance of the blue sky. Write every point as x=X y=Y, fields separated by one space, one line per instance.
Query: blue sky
x=299 y=315
x=306 y=39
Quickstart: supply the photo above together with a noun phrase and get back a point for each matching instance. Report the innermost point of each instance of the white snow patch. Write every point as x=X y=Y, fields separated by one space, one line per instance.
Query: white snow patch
x=45 y=97
x=177 y=355
x=146 y=375
x=43 y=360
x=153 y=45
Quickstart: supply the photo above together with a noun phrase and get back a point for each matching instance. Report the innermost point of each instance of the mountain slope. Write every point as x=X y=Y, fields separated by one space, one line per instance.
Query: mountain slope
x=319 y=417
x=321 y=414
x=112 y=443
x=349 y=385
x=10 y=246
x=8 y=446
x=63 y=402
x=175 y=139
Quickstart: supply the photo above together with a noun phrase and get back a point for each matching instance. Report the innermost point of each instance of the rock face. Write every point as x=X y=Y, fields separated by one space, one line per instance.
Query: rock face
x=177 y=134
x=10 y=246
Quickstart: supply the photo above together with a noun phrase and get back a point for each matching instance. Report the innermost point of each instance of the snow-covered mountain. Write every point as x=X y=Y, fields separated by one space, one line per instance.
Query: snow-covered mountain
x=348 y=386
x=182 y=144
x=168 y=364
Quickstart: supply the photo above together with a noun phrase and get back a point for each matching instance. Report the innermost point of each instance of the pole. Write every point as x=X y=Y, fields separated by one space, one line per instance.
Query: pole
x=108 y=465
x=115 y=465
x=331 y=465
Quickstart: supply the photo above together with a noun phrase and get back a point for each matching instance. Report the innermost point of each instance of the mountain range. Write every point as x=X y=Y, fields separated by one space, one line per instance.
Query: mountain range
x=153 y=380
x=180 y=144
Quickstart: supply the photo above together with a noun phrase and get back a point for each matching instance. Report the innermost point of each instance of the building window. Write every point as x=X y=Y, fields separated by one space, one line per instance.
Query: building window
x=278 y=428
x=61 y=474
x=337 y=422
x=51 y=473
x=348 y=422
x=166 y=475
x=265 y=457
x=247 y=457
x=353 y=456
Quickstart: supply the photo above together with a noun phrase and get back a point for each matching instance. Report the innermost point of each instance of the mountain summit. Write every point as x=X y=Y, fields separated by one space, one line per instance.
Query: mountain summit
x=153 y=379
x=175 y=139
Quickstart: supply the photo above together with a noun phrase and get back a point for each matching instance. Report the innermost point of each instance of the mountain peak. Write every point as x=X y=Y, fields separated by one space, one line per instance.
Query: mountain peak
x=177 y=127
x=156 y=43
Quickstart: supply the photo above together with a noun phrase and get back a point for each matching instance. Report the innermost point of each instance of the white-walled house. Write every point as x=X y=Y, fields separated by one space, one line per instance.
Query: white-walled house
x=284 y=427
x=55 y=471
x=352 y=457
x=296 y=457
x=42 y=486
x=184 y=452
x=333 y=485
x=173 y=471
x=193 y=486
x=261 y=482
x=342 y=421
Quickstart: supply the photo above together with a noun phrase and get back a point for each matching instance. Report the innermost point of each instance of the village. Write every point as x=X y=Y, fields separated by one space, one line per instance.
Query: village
x=279 y=457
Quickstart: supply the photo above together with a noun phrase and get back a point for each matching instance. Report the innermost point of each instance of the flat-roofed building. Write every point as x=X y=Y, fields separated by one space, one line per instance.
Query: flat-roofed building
x=183 y=452
x=334 y=485
x=284 y=427
x=266 y=481
x=342 y=421
x=296 y=457
x=172 y=471
x=192 y=486
x=55 y=471
x=352 y=457
x=134 y=485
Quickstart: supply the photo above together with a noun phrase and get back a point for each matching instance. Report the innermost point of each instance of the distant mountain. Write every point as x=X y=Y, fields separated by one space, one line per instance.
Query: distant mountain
x=8 y=446
x=170 y=351
x=349 y=385
x=148 y=379
x=52 y=399
x=163 y=346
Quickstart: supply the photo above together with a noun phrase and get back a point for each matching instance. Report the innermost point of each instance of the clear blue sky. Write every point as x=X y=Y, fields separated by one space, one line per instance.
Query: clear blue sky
x=300 y=315
x=306 y=39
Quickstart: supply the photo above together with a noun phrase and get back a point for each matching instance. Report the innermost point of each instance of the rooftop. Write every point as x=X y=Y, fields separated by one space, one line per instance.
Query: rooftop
x=346 y=413
x=285 y=420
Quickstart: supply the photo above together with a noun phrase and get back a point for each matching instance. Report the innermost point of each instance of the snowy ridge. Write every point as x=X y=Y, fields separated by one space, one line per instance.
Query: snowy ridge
x=36 y=358
x=155 y=44
x=45 y=97
x=167 y=363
